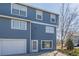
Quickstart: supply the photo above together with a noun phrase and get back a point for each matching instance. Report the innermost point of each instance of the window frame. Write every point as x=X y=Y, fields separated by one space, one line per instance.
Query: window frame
x=38 y=12
x=48 y=29
x=46 y=48
x=51 y=16
x=36 y=45
x=19 y=23
x=20 y=8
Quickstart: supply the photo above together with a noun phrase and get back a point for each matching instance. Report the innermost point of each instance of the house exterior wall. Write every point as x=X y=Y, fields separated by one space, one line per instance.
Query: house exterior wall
x=38 y=33
x=37 y=30
x=75 y=40
x=5 y=9
x=7 y=33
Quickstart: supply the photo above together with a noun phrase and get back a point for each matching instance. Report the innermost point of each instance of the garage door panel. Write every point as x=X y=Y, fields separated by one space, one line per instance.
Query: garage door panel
x=13 y=46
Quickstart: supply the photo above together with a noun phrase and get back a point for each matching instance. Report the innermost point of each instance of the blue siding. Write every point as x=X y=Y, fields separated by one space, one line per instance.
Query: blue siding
x=5 y=8
x=31 y=13
x=46 y=16
x=38 y=33
x=7 y=32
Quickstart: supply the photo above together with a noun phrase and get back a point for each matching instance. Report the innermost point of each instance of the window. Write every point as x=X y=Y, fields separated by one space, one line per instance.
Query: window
x=22 y=13
x=15 y=24
x=52 y=18
x=34 y=45
x=49 y=29
x=46 y=44
x=15 y=11
x=23 y=25
x=19 y=10
x=39 y=15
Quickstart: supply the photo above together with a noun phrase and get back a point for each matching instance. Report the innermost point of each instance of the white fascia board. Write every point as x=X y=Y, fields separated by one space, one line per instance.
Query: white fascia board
x=14 y=18
x=43 y=23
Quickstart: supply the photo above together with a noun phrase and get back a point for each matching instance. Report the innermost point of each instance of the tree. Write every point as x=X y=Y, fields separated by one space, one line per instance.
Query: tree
x=67 y=21
x=69 y=44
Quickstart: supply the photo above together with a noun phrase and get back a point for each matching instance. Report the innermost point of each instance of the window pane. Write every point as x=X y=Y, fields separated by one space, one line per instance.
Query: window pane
x=23 y=25
x=53 y=20
x=46 y=44
x=15 y=11
x=22 y=13
x=16 y=24
x=39 y=17
x=34 y=45
x=49 y=29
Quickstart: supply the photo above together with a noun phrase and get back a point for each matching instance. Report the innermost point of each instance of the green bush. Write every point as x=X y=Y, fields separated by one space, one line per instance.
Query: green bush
x=69 y=44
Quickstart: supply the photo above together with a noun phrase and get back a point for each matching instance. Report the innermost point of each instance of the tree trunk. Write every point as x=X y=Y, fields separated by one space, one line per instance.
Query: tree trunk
x=61 y=44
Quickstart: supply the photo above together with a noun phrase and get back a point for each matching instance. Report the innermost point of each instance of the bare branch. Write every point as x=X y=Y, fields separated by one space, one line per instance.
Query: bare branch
x=67 y=20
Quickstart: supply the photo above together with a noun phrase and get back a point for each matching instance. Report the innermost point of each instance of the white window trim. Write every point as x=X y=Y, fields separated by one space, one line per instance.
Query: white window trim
x=12 y=27
x=40 y=14
x=32 y=45
x=46 y=48
x=51 y=18
x=19 y=10
x=49 y=29
x=12 y=24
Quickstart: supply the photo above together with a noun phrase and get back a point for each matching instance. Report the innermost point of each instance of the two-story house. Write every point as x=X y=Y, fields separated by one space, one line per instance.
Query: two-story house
x=26 y=29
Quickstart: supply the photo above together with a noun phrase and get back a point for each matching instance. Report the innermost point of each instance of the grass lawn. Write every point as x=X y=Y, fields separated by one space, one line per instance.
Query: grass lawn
x=74 y=52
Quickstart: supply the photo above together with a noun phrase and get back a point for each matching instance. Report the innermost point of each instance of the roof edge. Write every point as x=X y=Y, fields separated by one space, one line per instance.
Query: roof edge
x=41 y=9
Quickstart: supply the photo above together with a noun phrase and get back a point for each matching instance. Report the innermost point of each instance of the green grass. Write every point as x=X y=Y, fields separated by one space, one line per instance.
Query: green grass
x=74 y=52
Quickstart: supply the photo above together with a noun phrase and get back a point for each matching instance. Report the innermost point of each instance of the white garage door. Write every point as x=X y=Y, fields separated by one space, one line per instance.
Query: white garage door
x=12 y=46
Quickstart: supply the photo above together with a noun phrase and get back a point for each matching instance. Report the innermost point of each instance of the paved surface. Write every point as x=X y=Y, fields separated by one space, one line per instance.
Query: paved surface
x=50 y=53
x=60 y=54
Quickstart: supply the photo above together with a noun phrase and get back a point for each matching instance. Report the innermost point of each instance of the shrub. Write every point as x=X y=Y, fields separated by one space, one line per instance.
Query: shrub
x=69 y=44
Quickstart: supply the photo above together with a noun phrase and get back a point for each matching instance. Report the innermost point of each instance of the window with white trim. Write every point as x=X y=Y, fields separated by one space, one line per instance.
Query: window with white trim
x=16 y=24
x=46 y=44
x=52 y=18
x=49 y=29
x=19 y=10
x=39 y=15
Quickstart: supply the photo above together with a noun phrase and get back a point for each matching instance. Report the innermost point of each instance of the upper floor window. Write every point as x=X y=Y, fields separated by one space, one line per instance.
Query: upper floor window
x=16 y=24
x=49 y=29
x=52 y=18
x=39 y=15
x=18 y=10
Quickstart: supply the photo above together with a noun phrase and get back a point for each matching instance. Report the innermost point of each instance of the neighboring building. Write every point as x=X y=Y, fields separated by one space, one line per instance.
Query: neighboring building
x=26 y=29
x=76 y=39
